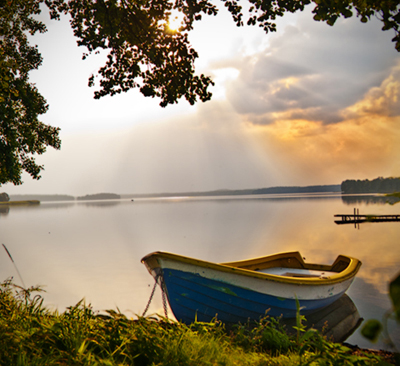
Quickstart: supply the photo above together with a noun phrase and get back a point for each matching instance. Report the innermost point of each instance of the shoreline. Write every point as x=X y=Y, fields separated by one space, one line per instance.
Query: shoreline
x=20 y=203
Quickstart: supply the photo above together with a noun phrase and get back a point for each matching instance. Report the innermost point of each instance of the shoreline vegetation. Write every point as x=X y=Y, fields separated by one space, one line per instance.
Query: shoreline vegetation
x=222 y=192
x=32 y=334
x=20 y=203
x=379 y=185
x=388 y=186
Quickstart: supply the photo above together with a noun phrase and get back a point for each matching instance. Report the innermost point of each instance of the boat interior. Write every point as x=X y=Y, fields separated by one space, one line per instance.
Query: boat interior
x=291 y=264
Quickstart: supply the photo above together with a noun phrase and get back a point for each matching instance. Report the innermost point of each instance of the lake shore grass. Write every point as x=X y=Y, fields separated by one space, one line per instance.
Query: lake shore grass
x=20 y=203
x=394 y=194
x=31 y=334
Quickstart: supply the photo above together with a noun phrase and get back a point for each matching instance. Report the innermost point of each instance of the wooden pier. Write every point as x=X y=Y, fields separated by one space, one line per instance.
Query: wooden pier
x=356 y=218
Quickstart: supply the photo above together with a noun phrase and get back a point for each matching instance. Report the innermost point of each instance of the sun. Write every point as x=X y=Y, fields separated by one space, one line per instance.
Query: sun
x=175 y=20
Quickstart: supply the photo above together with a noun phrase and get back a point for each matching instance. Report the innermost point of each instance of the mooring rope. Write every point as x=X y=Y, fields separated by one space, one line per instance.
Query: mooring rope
x=164 y=296
x=164 y=299
x=151 y=295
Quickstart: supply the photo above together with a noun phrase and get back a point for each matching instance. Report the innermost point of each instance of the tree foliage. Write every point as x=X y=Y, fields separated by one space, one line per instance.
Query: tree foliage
x=143 y=53
x=22 y=135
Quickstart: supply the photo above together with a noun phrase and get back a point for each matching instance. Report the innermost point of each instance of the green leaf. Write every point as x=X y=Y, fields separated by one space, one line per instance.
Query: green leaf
x=394 y=292
x=372 y=329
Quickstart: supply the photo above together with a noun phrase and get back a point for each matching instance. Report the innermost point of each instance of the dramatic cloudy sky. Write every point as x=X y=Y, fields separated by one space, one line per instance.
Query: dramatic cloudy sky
x=310 y=104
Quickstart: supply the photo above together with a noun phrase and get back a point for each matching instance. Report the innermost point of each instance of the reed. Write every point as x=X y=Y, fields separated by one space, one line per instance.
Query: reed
x=31 y=334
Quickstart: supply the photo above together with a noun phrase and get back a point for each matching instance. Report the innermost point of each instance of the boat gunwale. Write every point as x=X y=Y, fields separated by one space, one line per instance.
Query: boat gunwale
x=232 y=267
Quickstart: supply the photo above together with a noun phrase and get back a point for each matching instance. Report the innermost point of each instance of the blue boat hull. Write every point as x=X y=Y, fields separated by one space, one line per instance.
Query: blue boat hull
x=193 y=297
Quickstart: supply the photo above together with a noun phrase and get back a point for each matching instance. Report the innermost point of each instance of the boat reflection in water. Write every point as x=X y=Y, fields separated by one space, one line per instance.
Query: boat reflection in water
x=337 y=321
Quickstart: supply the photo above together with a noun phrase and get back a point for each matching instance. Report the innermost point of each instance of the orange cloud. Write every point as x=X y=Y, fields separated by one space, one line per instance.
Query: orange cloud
x=364 y=145
x=382 y=100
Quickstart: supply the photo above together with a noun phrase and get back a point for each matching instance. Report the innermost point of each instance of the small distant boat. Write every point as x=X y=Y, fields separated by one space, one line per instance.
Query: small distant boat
x=246 y=290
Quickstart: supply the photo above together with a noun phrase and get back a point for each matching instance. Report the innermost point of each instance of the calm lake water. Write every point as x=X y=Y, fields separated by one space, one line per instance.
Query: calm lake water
x=92 y=250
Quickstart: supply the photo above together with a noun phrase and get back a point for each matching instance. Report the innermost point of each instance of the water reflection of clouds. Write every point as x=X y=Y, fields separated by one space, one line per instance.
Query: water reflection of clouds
x=379 y=256
x=309 y=228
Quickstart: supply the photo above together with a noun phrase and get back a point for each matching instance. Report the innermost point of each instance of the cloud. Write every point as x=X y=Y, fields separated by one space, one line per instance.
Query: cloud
x=311 y=104
x=312 y=71
x=382 y=100
x=363 y=145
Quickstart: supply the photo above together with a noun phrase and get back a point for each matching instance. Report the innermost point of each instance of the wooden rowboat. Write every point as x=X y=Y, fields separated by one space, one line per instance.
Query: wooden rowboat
x=245 y=290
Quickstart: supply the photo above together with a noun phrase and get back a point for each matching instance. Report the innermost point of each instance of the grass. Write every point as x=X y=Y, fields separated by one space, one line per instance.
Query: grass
x=30 y=334
x=20 y=203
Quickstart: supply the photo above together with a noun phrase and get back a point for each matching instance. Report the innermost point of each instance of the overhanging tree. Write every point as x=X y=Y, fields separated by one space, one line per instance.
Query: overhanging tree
x=22 y=135
x=143 y=52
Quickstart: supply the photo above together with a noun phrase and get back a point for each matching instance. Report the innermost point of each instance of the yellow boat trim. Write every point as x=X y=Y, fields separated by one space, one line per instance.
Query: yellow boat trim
x=346 y=267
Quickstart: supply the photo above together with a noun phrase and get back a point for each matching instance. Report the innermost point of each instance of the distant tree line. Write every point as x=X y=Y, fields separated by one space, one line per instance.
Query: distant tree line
x=294 y=189
x=243 y=192
x=63 y=197
x=378 y=185
x=41 y=197
x=100 y=196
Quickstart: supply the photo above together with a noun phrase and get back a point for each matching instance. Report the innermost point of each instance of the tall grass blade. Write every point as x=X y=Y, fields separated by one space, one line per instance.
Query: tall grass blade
x=15 y=266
